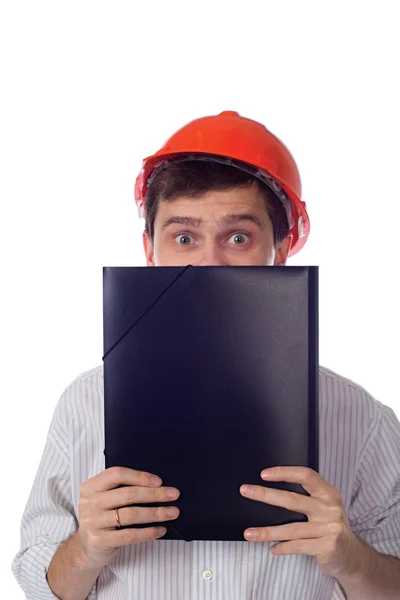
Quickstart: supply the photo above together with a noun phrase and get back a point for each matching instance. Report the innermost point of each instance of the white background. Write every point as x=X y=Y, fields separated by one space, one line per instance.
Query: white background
x=90 y=88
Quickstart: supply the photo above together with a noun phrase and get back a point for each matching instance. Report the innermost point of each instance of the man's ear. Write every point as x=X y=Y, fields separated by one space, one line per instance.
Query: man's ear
x=282 y=251
x=148 y=250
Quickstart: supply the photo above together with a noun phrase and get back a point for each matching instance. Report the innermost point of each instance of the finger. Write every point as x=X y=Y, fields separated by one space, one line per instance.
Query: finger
x=134 y=495
x=115 y=476
x=313 y=547
x=290 y=500
x=137 y=515
x=292 y=531
x=124 y=537
x=312 y=482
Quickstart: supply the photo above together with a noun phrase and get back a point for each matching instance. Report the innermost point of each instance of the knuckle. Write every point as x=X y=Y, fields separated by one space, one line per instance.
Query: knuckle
x=159 y=494
x=143 y=534
x=337 y=529
x=294 y=530
x=86 y=522
x=306 y=474
x=144 y=478
x=337 y=512
x=293 y=497
x=265 y=534
x=296 y=546
x=83 y=488
x=95 y=540
x=128 y=535
x=133 y=515
x=83 y=506
x=130 y=494
x=161 y=513
x=117 y=474
x=152 y=533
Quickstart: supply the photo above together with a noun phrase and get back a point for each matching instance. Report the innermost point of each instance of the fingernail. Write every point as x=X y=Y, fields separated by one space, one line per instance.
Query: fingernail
x=172 y=512
x=161 y=531
x=247 y=489
x=155 y=480
x=172 y=493
x=266 y=474
x=251 y=534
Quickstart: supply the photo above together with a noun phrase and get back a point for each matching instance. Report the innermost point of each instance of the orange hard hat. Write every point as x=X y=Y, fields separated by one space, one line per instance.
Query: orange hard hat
x=229 y=137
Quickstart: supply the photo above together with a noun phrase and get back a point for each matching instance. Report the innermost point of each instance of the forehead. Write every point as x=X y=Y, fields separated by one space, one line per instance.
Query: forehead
x=211 y=205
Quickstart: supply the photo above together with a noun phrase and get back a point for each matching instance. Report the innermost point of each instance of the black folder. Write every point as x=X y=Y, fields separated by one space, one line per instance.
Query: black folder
x=210 y=376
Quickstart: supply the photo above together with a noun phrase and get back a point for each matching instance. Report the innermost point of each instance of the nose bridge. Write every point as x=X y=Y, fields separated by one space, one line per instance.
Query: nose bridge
x=211 y=254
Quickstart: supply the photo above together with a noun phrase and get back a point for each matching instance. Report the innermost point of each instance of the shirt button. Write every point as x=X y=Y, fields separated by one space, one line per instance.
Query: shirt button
x=207 y=575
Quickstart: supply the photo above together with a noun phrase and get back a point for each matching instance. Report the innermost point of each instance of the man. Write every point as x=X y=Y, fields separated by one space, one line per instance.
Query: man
x=223 y=191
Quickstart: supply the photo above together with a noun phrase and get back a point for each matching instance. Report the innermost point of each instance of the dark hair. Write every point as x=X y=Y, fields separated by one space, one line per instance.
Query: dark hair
x=194 y=178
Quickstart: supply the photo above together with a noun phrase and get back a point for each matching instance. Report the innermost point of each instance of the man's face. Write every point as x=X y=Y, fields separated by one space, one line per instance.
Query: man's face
x=219 y=228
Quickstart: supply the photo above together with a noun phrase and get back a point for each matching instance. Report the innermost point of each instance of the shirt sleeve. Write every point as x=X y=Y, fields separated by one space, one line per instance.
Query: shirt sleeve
x=49 y=517
x=375 y=507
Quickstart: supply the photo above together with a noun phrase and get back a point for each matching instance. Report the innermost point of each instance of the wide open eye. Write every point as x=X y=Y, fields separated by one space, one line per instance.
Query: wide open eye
x=239 y=238
x=183 y=239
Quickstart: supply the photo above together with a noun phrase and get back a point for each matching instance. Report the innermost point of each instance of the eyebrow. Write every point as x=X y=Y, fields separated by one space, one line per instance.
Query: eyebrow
x=234 y=218
x=196 y=222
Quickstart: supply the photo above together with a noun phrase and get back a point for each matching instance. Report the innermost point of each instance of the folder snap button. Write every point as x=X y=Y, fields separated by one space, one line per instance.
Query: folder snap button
x=207 y=575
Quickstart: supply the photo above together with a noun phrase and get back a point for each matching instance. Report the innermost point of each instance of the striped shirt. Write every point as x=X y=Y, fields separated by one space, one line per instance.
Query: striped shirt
x=359 y=454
